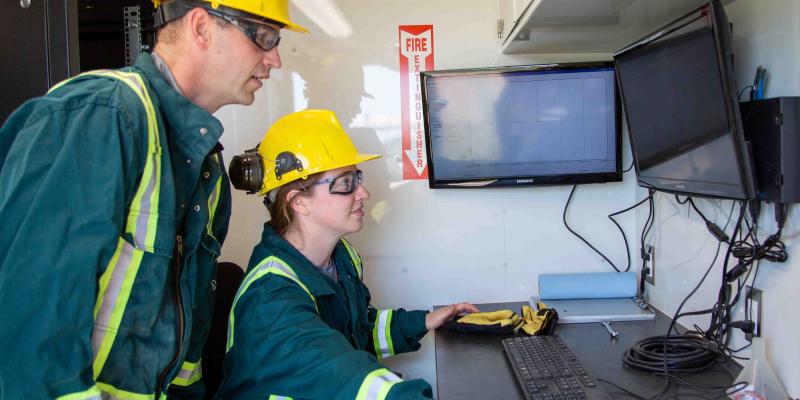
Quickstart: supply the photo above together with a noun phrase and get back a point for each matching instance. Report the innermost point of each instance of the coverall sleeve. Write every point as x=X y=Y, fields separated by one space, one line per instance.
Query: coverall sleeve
x=395 y=331
x=281 y=347
x=62 y=194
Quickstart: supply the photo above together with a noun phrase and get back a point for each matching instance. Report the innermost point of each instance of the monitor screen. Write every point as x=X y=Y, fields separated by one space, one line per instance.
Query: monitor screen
x=683 y=116
x=528 y=125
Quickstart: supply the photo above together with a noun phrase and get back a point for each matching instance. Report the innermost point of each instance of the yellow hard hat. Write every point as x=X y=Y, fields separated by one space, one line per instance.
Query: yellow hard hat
x=275 y=10
x=298 y=145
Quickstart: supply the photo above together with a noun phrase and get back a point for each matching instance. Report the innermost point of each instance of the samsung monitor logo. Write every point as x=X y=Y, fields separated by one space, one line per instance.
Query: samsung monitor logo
x=524 y=180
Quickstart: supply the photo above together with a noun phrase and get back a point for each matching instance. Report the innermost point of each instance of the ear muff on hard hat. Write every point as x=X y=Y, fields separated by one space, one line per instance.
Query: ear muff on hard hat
x=270 y=10
x=298 y=145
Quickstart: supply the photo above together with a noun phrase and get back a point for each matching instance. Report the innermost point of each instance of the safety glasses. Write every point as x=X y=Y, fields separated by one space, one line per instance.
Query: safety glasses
x=344 y=183
x=265 y=36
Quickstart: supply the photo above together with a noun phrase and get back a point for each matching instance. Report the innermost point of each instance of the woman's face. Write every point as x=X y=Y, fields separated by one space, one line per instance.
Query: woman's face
x=338 y=213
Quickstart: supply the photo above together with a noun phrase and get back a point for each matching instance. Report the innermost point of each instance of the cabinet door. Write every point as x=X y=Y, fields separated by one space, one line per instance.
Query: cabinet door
x=38 y=48
x=510 y=13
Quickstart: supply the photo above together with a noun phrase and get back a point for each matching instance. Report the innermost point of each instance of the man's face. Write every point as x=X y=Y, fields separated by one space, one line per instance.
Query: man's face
x=238 y=65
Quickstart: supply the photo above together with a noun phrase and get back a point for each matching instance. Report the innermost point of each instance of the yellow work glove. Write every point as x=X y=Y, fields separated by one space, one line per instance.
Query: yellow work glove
x=539 y=322
x=503 y=321
x=502 y=317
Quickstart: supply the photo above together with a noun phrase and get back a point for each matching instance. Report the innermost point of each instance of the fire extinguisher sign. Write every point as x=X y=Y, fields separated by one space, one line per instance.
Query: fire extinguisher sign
x=416 y=55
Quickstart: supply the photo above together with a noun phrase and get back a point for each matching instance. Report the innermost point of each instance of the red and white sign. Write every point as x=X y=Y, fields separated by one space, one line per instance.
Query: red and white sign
x=416 y=55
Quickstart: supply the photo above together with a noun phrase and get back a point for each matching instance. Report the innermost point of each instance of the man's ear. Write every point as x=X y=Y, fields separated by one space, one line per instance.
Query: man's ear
x=199 y=25
x=298 y=202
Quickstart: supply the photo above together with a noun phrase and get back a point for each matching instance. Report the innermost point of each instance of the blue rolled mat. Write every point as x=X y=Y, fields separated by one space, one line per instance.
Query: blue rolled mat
x=600 y=285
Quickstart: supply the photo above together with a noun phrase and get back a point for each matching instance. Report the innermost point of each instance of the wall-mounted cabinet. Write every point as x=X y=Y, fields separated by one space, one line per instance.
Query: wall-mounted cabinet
x=584 y=26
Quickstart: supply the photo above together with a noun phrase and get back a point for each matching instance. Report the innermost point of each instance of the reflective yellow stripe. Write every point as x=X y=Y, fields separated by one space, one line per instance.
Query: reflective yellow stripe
x=377 y=385
x=93 y=393
x=276 y=397
x=382 y=334
x=115 y=289
x=144 y=207
x=213 y=201
x=270 y=265
x=189 y=374
x=110 y=392
x=116 y=282
x=354 y=256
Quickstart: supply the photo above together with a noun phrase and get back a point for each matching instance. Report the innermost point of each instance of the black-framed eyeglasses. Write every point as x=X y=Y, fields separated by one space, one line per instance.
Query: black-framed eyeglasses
x=266 y=37
x=344 y=183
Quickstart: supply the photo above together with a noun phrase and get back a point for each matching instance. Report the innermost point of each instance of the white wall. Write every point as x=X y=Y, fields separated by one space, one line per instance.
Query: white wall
x=424 y=247
x=765 y=33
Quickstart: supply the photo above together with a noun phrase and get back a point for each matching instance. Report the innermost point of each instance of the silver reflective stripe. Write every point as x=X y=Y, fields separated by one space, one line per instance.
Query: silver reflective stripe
x=186 y=373
x=379 y=385
x=252 y=276
x=141 y=215
x=281 y=266
x=269 y=265
x=144 y=217
x=212 y=199
x=111 y=295
x=382 y=330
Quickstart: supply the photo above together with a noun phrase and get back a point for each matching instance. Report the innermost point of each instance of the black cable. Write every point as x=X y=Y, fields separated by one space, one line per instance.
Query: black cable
x=648 y=224
x=721 y=316
x=678 y=199
x=716 y=255
x=712 y=227
x=610 y=216
x=690 y=352
x=741 y=92
x=629 y=168
x=564 y=218
x=625 y=238
x=687 y=353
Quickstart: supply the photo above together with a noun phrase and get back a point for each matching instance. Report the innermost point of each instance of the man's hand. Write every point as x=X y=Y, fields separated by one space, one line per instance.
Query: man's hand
x=435 y=319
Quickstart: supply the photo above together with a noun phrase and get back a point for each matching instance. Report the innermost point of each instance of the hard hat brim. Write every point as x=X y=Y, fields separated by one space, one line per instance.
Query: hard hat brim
x=291 y=25
x=365 y=157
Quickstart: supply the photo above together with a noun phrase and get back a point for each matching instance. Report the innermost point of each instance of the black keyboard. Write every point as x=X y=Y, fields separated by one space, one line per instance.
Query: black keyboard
x=546 y=369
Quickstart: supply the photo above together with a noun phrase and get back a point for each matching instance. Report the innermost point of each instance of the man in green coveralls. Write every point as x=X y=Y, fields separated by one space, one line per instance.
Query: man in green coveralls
x=115 y=202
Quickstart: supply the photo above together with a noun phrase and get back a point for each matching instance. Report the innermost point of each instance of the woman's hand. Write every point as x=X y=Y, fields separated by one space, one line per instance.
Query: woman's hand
x=435 y=319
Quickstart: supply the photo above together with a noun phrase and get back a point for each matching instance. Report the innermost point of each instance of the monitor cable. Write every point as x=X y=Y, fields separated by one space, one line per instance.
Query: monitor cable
x=610 y=216
x=630 y=167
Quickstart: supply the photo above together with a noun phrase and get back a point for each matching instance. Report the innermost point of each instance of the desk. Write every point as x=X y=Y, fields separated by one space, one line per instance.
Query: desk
x=473 y=366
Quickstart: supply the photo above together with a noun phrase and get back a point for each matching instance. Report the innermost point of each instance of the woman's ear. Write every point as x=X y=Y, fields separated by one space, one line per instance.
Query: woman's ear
x=298 y=202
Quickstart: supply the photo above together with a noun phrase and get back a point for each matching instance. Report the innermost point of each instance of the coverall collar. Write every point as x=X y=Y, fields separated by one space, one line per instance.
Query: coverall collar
x=195 y=131
x=317 y=283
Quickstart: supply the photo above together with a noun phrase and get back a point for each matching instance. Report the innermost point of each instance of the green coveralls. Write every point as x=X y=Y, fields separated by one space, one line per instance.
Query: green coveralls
x=104 y=183
x=294 y=333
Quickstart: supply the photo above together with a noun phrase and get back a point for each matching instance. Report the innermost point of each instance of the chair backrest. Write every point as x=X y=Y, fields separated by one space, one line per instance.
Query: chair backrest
x=229 y=277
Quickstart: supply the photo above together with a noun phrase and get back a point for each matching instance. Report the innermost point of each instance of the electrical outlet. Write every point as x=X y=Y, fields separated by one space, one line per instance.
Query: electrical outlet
x=650 y=262
x=754 y=297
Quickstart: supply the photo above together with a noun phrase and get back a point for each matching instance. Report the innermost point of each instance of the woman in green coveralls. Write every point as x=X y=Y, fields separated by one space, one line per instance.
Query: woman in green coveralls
x=302 y=326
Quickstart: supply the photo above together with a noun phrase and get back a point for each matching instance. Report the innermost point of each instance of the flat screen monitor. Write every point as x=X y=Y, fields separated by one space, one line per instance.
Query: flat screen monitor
x=679 y=96
x=525 y=125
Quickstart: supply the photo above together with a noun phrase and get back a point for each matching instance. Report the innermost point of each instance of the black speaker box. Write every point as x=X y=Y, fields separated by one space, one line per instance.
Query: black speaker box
x=771 y=126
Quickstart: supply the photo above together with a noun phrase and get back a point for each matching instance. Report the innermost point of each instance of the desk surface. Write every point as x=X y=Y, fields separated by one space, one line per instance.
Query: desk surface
x=473 y=366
